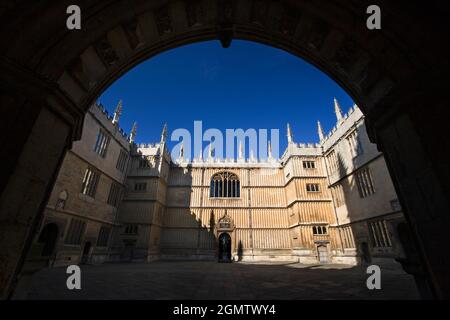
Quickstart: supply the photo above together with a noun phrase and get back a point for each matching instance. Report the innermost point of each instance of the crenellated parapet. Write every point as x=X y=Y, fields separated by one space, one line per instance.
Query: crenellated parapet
x=107 y=120
x=343 y=125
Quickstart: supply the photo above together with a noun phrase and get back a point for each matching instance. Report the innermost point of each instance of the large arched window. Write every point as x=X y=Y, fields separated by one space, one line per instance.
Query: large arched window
x=225 y=185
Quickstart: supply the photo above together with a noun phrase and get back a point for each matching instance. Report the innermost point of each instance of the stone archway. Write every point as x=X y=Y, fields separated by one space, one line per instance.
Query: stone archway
x=48 y=238
x=398 y=76
x=224 y=250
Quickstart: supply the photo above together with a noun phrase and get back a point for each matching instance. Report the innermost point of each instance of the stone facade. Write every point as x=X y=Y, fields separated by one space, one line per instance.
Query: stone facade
x=75 y=215
x=328 y=202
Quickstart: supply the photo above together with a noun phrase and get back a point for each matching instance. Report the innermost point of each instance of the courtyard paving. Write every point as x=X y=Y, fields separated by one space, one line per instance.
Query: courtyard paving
x=210 y=280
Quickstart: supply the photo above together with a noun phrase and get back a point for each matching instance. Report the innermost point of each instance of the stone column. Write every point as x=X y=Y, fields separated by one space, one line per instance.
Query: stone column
x=38 y=124
x=415 y=152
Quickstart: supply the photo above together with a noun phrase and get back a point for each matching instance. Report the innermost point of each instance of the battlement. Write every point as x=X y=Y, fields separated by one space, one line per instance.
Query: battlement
x=147 y=145
x=109 y=118
x=307 y=145
x=348 y=120
x=228 y=163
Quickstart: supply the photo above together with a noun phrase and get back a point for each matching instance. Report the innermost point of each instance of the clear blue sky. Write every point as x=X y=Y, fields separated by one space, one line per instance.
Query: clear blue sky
x=248 y=85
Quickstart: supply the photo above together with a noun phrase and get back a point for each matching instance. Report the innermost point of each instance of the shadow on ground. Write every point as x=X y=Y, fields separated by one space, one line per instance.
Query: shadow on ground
x=210 y=280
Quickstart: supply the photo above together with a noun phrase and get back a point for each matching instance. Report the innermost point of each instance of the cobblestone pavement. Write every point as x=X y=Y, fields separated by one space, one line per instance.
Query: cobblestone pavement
x=210 y=280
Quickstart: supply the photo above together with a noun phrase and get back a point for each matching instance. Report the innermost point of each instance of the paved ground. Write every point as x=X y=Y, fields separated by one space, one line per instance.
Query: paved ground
x=210 y=280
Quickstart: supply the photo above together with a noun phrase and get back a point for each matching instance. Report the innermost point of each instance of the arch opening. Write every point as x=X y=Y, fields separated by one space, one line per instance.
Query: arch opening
x=48 y=238
x=65 y=72
x=224 y=248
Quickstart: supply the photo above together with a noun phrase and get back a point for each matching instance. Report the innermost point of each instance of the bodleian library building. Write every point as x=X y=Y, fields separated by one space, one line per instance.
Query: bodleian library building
x=115 y=200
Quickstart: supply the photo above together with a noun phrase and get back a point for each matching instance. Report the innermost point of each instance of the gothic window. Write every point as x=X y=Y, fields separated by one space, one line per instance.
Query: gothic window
x=131 y=229
x=312 y=187
x=354 y=143
x=317 y=230
x=102 y=142
x=379 y=234
x=75 y=232
x=103 y=236
x=225 y=185
x=338 y=195
x=114 y=194
x=90 y=182
x=332 y=161
x=140 y=186
x=364 y=182
x=347 y=237
x=122 y=160
x=309 y=164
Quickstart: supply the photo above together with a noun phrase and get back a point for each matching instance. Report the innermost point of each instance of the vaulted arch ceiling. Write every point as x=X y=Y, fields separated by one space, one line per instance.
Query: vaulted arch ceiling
x=399 y=76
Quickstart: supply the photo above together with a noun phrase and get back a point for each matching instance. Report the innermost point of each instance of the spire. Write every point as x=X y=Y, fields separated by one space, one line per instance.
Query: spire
x=241 y=150
x=337 y=110
x=164 y=133
x=269 y=150
x=117 y=113
x=133 y=132
x=320 y=131
x=289 y=134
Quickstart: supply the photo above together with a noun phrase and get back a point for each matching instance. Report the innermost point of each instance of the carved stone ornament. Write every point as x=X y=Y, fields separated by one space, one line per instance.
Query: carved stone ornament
x=225 y=223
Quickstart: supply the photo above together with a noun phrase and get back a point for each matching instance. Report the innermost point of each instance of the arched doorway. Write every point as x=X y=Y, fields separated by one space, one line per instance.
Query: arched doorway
x=128 y=252
x=224 y=247
x=48 y=238
x=86 y=253
x=54 y=76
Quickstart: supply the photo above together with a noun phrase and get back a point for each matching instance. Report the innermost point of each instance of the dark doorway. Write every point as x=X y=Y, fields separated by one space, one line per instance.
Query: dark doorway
x=128 y=252
x=86 y=251
x=365 y=253
x=224 y=248
x=48 y=238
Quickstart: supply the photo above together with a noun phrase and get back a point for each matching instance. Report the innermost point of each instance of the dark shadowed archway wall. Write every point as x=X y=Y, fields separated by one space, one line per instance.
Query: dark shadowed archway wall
x=397 y=75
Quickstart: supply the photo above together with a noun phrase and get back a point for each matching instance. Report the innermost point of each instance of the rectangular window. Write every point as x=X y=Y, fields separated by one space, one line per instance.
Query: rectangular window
x=309 y=164
x=312 y=187
x=103 y=237
x=131 y=229
x=354 y=143
x=364 y=182
x=114 y=194
x=379 y=234
x=122 y=160
x=90 y=182
x=347 y=237
x=102 y=142
x=318 y=230
x=75 y=232
x=338 y=195
x=332 y=160
x=140 y=186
